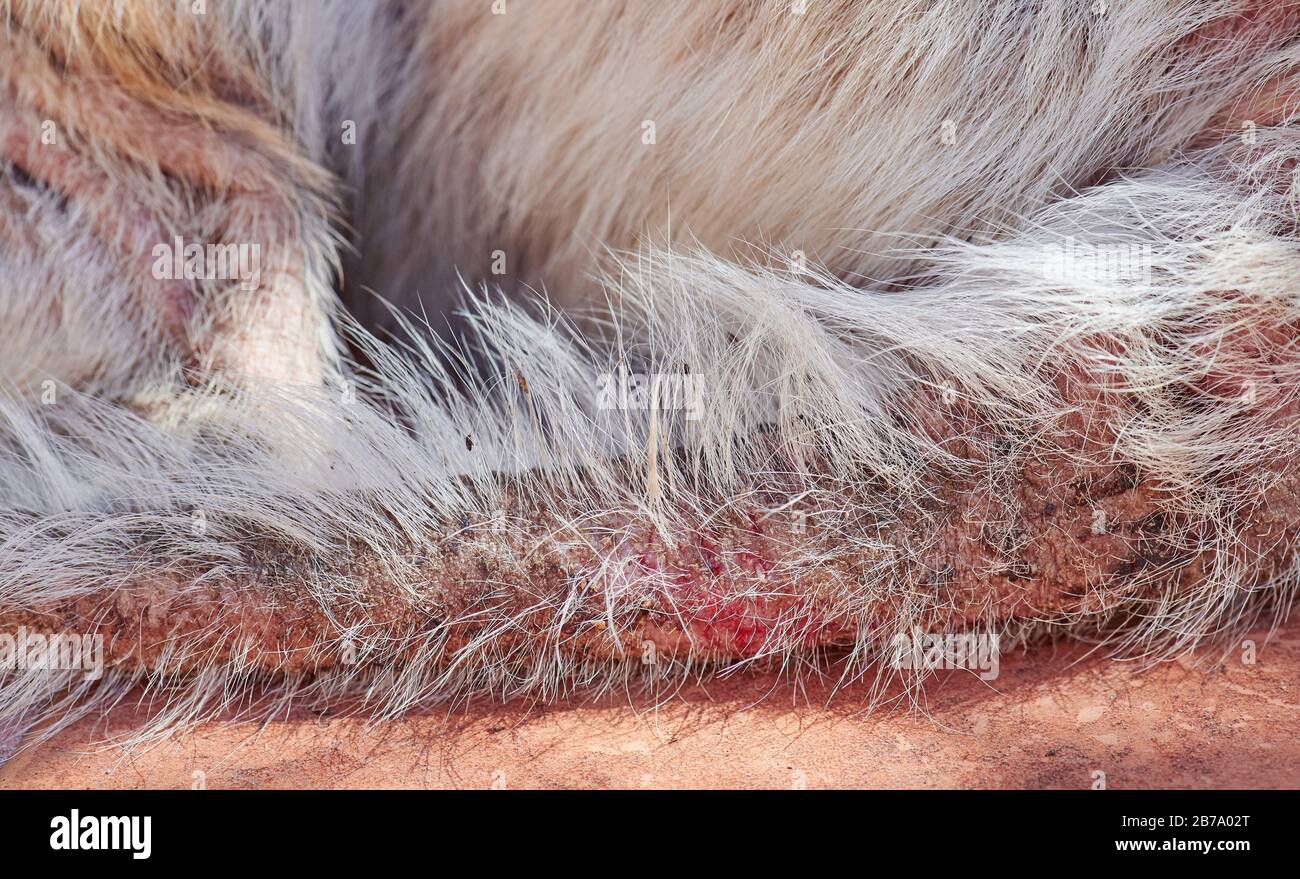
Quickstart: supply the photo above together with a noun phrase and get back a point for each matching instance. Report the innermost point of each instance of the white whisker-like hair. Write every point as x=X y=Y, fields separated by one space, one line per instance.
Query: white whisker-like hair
x=1031 y=371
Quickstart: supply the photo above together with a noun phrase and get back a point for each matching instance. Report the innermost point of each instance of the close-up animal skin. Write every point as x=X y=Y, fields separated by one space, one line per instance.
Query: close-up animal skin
x=589 y=347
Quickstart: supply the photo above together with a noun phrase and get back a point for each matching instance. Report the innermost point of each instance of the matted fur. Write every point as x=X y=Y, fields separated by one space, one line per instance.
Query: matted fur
x=920 y=425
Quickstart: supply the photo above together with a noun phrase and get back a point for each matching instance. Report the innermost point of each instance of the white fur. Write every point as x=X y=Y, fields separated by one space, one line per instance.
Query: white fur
x=926 y=275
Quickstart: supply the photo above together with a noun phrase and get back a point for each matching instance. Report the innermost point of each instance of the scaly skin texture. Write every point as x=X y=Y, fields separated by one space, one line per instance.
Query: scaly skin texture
x=1069 y=534
x=753 y=582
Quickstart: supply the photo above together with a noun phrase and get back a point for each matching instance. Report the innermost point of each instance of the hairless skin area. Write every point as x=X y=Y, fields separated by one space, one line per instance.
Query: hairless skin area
x=580 y=361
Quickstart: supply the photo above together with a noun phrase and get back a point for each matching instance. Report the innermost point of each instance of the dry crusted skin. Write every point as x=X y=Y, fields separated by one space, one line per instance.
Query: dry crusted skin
x=1063 y=538
x=1060 y=539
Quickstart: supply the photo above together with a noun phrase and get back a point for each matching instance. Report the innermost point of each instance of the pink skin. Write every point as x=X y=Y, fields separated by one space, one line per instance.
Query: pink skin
x=130 y=234
x=103 y=138
x=702 y=596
